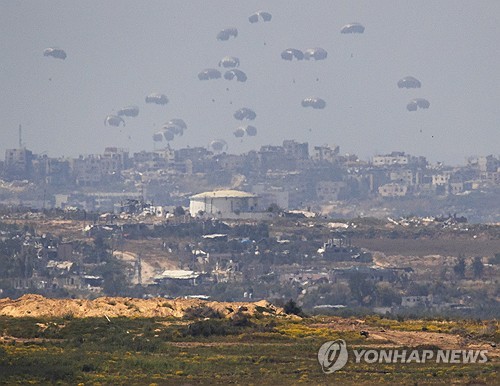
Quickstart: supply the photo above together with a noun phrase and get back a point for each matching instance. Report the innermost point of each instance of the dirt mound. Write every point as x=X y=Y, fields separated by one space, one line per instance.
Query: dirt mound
x=39 y=306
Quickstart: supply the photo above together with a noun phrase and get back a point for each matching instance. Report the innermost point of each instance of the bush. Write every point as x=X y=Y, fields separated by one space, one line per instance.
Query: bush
x=201 y=312
x=291 y=308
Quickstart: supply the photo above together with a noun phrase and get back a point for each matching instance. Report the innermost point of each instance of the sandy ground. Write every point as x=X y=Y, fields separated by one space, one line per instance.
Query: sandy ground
x=381 y=337
x=39 y=306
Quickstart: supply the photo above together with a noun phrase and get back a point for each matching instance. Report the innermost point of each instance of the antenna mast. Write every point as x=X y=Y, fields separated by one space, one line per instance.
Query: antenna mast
x=20 y=137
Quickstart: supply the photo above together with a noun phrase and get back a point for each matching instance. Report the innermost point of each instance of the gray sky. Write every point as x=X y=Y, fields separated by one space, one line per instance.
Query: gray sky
x=119 y=51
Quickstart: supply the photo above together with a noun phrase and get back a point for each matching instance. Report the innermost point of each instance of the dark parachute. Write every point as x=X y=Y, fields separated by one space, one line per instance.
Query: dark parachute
x=114 y=120
x=129 y=111
x=218 y=145
x=158 y=137
x=168 y=135
x=315 y=103
x=209 y=73
x=55 y=53
x=229 y=62
x=412 y=106
x=251 y=131
x=226 y=33
x=417 y=103
x=178 y=122
x=239 y=132
x=265 y=16
x=245 y=113
x=159 y=99
x=173 y=128
x=422 y=103
x=352 y=28
x=292 y=53
x=315 y=53
x=234 y=73
x=409 y=82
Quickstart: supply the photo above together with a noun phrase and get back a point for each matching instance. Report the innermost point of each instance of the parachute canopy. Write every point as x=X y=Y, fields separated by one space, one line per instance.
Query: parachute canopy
x=244 y=113
x=352 y=28
x=315 y=54
x=409 y=82
x=209 y=73
x=292 y=53
x=114 y=120
x=260 y=15
x=315 y=103
x=168 y=135
x=234 y=73
x=226 y=33
x=229 y=62
x=218 y=145
x=178 y=122
x=158 y=136
x=174 y=129
x=251 y=131
x=129 y=111
x=159 y=99
x=239 y=132
x=417 y=103
x=55 y=53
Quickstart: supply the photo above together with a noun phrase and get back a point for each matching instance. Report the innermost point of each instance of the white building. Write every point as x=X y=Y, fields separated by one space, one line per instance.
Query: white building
x=393 y=190
x=224 y=204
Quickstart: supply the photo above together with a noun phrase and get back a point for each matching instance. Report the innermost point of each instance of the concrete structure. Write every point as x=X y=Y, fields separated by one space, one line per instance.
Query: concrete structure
x=223 y=203
x=393 y=190
x=18 y=163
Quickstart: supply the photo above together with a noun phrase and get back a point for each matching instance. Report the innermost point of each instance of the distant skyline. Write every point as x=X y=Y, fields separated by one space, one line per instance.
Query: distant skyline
x=120 y=51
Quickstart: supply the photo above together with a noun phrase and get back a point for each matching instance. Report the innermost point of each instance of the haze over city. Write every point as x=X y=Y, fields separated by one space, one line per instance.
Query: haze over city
x=118 y=52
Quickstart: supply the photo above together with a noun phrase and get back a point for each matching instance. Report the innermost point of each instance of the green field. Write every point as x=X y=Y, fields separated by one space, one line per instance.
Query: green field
x=246 y=350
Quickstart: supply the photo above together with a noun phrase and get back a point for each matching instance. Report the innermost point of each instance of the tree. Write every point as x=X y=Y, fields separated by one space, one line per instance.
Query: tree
x=361 y=288
x=274 y=208
x=291 y=307
x=179 y=211
x=459 y=268
x=477 y=267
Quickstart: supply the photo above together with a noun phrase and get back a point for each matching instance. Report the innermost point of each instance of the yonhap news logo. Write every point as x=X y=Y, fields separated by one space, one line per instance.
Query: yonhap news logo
x=334 y=355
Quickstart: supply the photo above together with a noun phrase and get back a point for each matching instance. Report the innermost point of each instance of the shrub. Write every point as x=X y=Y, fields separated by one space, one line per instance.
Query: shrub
x=291 y=307
x=201 y=312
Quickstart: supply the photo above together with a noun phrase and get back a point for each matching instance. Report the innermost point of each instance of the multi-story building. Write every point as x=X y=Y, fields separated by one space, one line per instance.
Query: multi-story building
x=18 y=164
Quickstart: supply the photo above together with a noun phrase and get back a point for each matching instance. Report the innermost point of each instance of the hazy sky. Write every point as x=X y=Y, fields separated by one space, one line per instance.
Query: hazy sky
x=119 y=51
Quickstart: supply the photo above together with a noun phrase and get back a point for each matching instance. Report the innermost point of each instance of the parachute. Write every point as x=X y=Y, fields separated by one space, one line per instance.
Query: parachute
x=159 y=99
x=178 y=122
x=292 y=53
x=129 y=111
x=251 y=131
x=158 y=137
x=55 y=53
x=265 y=16
x=168 y=135
x=409 y=82
x=418 y=103
x=226 y=33
x=239 y=132
x=234 y=73
x=315 y=103
x=173 y=128
x=412 y=106
x=209 y=73
x=114 y=120
x=352 y=28
x=218 y=145
x=244 y=113
x=315 y=53
x=229 y=62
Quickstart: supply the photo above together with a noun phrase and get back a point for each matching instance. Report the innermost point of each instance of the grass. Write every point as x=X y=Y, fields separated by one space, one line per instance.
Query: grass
x=149 y=351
